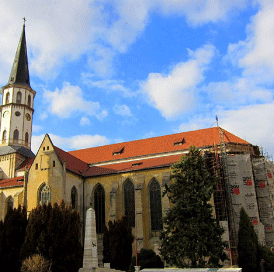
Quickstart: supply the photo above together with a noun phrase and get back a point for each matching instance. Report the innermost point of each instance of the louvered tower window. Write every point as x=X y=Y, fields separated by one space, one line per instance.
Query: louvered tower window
x=155 y=206
x=26 y=138
x=7 y=98
x=29 y=100
x=18 y=97
x=129 y=202
x=16 y=135
x=99 y=207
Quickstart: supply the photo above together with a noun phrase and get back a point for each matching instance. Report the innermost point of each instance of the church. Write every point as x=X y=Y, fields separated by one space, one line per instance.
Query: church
x=126 y=178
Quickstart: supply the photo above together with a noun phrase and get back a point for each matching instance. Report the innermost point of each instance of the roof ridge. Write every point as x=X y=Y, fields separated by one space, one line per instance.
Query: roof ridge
x=143 y=139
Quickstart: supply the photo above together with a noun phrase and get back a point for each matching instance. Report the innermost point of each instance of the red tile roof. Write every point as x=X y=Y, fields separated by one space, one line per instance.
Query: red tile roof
x=26 y=164
x=73 y=164
x=156 y=145
x=133 y=165
x=12 y=182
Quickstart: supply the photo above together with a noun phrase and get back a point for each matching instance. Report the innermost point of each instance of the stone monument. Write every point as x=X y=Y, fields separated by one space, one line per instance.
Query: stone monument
x=90 y=259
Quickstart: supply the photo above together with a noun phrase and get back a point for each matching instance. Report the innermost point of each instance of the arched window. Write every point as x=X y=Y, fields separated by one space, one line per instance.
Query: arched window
x=155 y=206
x=29 y=100
x=99 y=207
x=4 y=136
x=129 y=198
x=16 y=135
x=44 y=195
x=74 y=198
x=18 y=98
x=7 y=98
x=26 y=137
x=9 y=203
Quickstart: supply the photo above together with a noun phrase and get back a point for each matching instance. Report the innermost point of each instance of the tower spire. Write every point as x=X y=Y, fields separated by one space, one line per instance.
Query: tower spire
x=20 y=72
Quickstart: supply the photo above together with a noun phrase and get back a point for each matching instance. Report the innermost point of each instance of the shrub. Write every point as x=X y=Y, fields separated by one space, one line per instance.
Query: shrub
x=35 y=263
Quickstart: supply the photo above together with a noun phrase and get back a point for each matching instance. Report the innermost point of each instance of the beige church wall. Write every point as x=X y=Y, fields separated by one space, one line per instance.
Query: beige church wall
x=114 y=200
x=5 y=165
x=8 y=164
x=43 y=171
x=16 y=193
x=77 y=181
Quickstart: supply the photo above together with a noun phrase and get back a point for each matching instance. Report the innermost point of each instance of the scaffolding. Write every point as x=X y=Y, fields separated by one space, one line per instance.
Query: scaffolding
x=237 y=187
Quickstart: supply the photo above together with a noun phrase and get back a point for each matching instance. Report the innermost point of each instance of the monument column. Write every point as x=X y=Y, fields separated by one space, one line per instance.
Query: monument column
x=90 y=259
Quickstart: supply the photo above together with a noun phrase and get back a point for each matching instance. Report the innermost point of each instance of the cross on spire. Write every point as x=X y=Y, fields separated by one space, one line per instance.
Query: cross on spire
x=24 y=20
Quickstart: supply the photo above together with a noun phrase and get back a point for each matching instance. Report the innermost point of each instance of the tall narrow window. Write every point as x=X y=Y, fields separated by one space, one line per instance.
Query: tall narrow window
x=26 y=138
x=74 y=198
x=44 y=195
x=9 y=203
x=155 y=206
x=99 y=207
x=18 y=98
x=129 y=202
x=7 y=98
x=16 y=135
x=29 y=100
x=4 y=136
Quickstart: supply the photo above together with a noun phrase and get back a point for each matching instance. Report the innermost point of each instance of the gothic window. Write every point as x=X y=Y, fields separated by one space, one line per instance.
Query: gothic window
x=9 y=203
x=7 y=98
x=155 y=206
x=29 y=100
x=16 y=135
x=74 y=197
x=99 y=207
x=129 y=202
x=18 y=98
x=4 y=136
x=26 y=137
x=44 y=195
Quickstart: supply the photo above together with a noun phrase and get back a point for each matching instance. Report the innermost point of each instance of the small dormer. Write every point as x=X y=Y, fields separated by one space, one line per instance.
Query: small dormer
x=179 y=141
x=118 y=151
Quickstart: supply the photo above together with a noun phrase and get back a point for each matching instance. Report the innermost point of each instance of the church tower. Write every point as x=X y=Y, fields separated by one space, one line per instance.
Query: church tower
x=17 y=102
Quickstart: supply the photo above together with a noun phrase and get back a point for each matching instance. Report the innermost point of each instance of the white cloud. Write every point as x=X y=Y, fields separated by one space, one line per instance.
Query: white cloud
x=101 y=29
x=71 y=143
x=84 y=121
x=236 y=92
x=255 y=54
x=109 y=85
x=36 y=128
x=70 y=99
x=174 y=93
x=202 y=12
x=122 y=110
x=253 y=123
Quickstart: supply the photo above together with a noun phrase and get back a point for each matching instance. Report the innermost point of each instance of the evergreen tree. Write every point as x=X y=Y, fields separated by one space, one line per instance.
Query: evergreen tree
x=248 y=249
x=191 y=236
x=146 y=258
x=54 y=232
x=119 y=249
x=12 y=233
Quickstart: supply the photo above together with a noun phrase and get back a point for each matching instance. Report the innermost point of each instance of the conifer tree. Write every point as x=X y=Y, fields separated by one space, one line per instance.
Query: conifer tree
x=119 y=238
x=248 y=248
x=191 y=236
x=146 y=258
x=12 y=233
x=54 y=232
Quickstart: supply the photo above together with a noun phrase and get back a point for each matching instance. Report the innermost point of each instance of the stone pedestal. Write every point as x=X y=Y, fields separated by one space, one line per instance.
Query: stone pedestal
x=90 y=259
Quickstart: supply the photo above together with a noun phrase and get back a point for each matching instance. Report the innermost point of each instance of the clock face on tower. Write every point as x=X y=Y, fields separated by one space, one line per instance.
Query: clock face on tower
x=28 y=116
x=6 y=114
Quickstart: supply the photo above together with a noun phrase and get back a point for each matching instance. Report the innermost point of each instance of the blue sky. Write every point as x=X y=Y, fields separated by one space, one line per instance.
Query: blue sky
x=110 y=71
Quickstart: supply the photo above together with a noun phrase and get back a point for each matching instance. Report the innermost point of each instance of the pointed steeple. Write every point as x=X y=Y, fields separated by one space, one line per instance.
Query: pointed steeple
x=20 y=71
